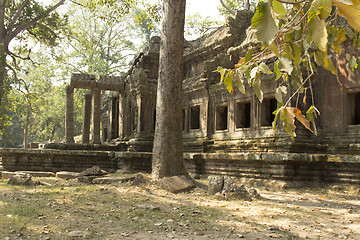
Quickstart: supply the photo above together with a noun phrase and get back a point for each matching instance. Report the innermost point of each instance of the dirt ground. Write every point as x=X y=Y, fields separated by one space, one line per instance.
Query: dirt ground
x=66 y=209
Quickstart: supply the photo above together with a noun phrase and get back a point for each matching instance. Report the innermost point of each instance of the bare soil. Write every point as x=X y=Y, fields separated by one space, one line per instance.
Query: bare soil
x=66 y=209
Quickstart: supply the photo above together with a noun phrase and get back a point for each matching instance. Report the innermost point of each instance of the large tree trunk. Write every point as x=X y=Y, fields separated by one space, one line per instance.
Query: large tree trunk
x=168 y=146
x=3 y=87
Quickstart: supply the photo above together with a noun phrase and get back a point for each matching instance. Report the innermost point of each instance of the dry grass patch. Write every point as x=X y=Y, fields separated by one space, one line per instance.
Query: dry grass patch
x=123 y=211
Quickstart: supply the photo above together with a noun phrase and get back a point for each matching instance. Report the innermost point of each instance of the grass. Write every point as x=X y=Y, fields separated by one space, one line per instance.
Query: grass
x=54 y=211
x=123 y=211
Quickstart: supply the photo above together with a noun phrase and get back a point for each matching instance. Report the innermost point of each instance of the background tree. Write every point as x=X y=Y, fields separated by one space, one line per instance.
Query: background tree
x=168 y=146
x=147 y=18
x=19 y=20
x=197 y=26
x=229 y=7
x=96 y=43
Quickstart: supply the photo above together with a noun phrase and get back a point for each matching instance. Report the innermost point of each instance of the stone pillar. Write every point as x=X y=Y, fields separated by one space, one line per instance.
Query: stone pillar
x=69 y=115
x=96 y=108
x=86 y=118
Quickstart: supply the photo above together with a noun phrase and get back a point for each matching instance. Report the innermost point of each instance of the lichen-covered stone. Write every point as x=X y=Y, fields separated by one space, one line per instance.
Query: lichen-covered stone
x=215 y=184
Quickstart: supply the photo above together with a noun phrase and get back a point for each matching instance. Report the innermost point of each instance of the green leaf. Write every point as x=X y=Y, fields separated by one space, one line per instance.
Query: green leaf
x=349 y=9
x=328 y=65
x=318 y=33
x=264 y=68
x=257 y=88
x=311 y=114
x=323 y=7
x=273 y=48
x=254 y=72
x=264 y=24
x=222 y=73
x=319 y=57
x=228 y=81
x=296 y=78
x=353 y=63
x=248 y=55
x=277 y=70
x=288 y=119
x=286 y=65
x=239 y=82
x=276 y=113
x=279 y=8
x=279 y=93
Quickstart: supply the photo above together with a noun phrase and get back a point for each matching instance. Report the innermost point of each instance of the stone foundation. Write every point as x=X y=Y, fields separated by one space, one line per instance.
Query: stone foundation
x=53 y=160
x=287 y=167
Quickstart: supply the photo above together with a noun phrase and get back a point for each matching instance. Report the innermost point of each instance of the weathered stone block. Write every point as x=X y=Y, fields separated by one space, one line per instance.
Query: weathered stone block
x=215 y=184
x=93 y=171
x=86 y=179
x=39 y=174
x=7 y=175
x=24 y=180
x=229 y=185
x=177 y=184
x=67 y=175
x=238 y=196
x=109 y=180
x=139 y=178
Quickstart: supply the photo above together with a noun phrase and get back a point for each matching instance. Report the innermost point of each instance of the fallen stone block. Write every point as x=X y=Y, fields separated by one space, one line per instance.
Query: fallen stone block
x=86 y=179
x=6 y=175
x=139 y=178
x=177 y=184
x=67 y=175
x=215 y=184
x=254 y=194
x=39 y=174
x=93 y=171
x=237 y=196
x=22 y=180
x=109 y=180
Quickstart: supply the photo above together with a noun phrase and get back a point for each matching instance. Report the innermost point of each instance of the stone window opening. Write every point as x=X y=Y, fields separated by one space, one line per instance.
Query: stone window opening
x=222 y=117
x=195 y=117
x=268 y=106
x=243 y=115
x=354 y=109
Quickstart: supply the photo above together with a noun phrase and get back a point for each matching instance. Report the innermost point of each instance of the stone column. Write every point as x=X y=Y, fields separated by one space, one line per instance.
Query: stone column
x=86 y=118
x=96 y=108
x=69 y=114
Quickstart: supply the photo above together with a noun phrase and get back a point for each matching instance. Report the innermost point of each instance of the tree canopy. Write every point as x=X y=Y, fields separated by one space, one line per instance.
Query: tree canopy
x=300 y=35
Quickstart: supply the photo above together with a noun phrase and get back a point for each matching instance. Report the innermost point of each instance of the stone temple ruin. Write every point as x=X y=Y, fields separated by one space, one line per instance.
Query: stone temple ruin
x=223 y=133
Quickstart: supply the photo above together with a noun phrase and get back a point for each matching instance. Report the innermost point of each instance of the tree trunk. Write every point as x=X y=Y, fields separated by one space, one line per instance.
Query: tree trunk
x=168 y=145
x=3 y=87
x=26 y=132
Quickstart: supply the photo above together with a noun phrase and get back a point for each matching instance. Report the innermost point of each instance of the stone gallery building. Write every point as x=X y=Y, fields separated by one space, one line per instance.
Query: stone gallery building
x=224 y=133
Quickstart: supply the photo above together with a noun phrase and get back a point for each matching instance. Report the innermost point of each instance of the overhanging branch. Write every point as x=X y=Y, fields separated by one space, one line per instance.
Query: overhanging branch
x=227 y=7
x=26 y=25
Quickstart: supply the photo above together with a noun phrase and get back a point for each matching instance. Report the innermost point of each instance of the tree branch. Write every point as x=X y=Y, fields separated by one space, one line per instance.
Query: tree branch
x=24 y=26
x=17 y=15
x=227 y=7
x=2 y=18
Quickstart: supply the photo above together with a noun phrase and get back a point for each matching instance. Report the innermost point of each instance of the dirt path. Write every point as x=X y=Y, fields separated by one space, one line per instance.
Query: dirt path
x=69 y=210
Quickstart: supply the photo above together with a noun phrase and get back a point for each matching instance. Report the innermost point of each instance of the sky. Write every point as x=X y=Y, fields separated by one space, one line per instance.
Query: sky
x=204 y=7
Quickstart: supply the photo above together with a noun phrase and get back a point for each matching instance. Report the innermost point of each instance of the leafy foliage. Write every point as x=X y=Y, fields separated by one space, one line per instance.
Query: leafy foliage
x=297 y=36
